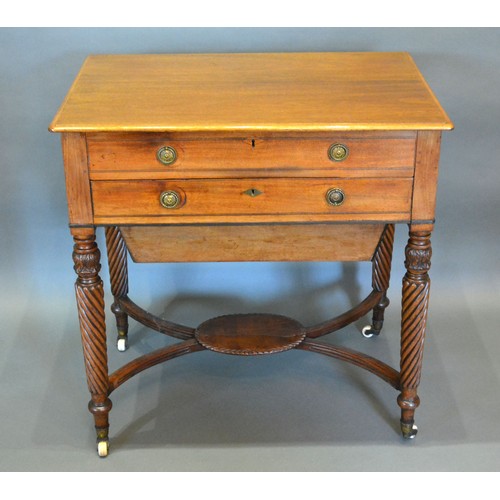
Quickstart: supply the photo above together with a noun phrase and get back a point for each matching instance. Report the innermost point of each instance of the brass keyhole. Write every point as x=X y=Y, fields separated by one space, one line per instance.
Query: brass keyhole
x=252 y=192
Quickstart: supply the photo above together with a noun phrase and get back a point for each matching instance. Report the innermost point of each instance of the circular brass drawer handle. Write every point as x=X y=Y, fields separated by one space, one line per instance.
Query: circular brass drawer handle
x=338 y=152
x=170 y=199
x=166 y=155
x=335 y=197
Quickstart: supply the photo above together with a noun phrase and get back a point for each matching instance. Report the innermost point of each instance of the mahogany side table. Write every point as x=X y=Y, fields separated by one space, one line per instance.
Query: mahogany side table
x=250 y=157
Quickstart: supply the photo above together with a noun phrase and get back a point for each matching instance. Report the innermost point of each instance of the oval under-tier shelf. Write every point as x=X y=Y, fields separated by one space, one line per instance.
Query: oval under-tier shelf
x=250 y=334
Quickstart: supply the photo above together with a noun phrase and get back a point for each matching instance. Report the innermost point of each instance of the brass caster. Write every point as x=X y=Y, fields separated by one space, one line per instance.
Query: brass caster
x=122 y=344
x=409 y=431
x=103 y=448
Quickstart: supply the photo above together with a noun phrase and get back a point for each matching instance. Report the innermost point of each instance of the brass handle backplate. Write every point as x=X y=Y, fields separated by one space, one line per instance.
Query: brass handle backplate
x=166 y=155
x=335 y=197
x=170 y=199
x=338 y=152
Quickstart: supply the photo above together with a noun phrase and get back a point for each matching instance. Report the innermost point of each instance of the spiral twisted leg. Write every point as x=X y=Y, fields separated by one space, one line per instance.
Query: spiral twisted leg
x=118 y=272
x=381 y=275
x=90 y=303
x=415 y=301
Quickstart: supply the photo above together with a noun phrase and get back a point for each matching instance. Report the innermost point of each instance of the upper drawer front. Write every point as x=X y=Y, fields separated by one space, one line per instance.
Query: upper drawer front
x=135 y=156
x=251 y=200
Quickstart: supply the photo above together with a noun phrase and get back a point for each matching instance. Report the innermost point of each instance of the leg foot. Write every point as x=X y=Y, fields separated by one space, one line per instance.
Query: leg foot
x=101 y=410
x=377 y=320
x=409 y=431
x=122 y=327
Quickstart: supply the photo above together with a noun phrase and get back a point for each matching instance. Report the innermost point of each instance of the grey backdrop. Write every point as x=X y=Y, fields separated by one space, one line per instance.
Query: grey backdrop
x=292 y=411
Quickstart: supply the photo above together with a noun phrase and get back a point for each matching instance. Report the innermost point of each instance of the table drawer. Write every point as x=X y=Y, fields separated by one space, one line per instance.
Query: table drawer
x=136 y=156
x=251 y=200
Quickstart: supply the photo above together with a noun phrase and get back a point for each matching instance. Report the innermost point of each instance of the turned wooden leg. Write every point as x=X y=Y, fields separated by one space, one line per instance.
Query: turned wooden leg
x=381 y=275
x=415 y=301
x=90 y=302
x=118 y=273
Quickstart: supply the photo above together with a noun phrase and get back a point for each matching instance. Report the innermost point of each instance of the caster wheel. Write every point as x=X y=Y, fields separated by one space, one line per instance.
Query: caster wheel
x=409 y=431
x=122 y=344
x=103 y=448
x=367 y=332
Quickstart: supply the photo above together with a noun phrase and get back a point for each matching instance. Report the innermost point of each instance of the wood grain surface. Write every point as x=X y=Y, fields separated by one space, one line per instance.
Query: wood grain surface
x=76 y=172
x=250 y=92
x=242 y=243
x=426 y=176
x=250 y=334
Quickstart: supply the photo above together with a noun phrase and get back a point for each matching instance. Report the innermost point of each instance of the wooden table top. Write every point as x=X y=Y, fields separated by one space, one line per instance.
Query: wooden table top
x=251 y=93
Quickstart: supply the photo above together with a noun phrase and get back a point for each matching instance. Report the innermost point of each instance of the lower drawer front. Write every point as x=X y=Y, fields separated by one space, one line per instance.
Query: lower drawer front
x=250 y=200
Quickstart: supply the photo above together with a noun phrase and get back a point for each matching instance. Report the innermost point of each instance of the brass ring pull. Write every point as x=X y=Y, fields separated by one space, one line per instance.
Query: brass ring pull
x=338 y=152
x=166 y=155
x=170 y=199
x=335 y=197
